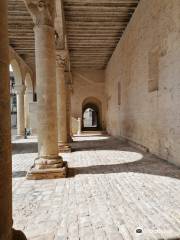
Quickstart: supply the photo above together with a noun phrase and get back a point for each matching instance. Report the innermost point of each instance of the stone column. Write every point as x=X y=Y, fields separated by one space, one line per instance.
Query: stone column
x=5 y=139
x=69 y=132
x=49 y=164
x=20 y=89
x=61 y=58
x=79 y=126
x=6 y=232
x=28 y=98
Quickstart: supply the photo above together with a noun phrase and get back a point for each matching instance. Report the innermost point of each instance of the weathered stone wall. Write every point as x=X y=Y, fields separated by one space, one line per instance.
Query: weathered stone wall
x=88 y=84
x=146 y=58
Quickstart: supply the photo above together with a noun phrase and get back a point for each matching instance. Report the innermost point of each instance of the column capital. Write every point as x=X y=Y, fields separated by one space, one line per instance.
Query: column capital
x=19 y=89
x=42 y=11
x=61 y=58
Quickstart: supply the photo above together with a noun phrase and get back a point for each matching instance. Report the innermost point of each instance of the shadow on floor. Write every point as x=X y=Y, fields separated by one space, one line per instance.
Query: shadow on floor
x=149 y=164
x=29 y=147
x=99 y=144
x=170 y=239
x=153 y=167
x=19 y=174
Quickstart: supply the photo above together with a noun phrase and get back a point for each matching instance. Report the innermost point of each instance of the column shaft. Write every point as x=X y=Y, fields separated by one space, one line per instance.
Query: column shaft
x=62 y=101
x=20 y=113
x=69 y=133
x=28 y=98
x=46 y=91
x=5 y=139
x=61 y=105
x=79 y=126
x=49 y=164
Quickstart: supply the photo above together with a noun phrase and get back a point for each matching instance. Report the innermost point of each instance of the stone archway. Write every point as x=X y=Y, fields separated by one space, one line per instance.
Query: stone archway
x=91 y=114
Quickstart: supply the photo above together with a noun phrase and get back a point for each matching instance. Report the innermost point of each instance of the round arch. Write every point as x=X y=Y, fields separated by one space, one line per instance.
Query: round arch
x=16 y=72
x=94 y=106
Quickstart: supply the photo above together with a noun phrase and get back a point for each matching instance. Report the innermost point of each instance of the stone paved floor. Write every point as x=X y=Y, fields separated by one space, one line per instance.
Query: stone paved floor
x=112 y=190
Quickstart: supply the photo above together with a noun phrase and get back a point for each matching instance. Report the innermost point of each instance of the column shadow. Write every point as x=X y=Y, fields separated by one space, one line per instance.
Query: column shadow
x=149 y=164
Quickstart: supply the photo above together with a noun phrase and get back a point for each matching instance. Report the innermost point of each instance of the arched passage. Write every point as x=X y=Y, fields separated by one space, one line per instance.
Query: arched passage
x=91 y=114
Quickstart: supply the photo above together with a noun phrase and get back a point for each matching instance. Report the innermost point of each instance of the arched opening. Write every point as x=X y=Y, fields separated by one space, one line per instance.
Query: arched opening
x=91 y=114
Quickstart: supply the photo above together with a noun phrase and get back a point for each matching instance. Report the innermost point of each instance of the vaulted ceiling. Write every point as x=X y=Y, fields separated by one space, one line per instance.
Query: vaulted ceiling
x=93 y=30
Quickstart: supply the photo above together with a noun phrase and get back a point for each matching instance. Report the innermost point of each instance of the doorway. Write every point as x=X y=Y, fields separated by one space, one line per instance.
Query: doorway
x=91 y=115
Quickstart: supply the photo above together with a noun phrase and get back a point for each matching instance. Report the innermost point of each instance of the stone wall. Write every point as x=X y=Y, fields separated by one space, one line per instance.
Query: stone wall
x=88 y=84
x=145 y=67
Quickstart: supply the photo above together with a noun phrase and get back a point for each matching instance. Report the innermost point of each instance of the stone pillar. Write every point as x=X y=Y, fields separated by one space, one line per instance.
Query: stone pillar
x=69 y=132
x=49 y=164
x=5 y=139
x=20 y=89
x=6 y=232
x=61 y=57
x=79 y=126
x=28 y=98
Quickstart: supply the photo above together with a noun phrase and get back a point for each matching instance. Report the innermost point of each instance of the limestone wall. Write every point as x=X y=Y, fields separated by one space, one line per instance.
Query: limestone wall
x=146 y=58
x=88 y=84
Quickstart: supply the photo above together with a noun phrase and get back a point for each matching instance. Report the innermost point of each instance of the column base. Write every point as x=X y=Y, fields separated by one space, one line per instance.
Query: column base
x=48 y=172
x=64 y=148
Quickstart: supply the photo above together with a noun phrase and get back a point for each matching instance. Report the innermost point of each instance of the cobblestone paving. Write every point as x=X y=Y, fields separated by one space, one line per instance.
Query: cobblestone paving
x=112 y=190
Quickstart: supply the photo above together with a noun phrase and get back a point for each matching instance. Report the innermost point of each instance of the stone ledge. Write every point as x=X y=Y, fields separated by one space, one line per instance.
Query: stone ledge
x=49 y=173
